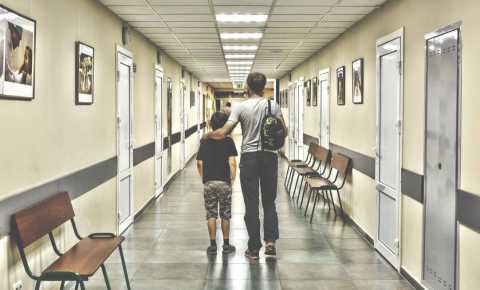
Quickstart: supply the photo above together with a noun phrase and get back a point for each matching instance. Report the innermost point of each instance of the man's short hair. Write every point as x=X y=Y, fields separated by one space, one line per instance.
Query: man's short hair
x=229 y=104
x=256 y=82
x=218 y=120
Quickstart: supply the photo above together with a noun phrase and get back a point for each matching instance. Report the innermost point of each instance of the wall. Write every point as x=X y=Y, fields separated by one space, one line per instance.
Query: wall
x=50 y=137
x=353 y=126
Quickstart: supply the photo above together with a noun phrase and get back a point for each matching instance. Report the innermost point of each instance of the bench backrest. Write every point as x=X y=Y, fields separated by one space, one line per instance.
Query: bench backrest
x=341 y=164
x=33 y=223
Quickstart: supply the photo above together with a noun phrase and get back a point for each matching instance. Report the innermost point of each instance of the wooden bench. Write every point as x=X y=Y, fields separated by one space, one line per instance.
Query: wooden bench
x=77 y=264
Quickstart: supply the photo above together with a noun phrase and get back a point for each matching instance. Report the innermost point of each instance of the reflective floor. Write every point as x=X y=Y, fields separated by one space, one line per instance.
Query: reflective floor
x=165 y=249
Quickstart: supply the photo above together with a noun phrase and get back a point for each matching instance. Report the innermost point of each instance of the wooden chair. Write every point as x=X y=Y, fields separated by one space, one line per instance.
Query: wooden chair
x=299 y=163
x=77 y=264
x=335 y=180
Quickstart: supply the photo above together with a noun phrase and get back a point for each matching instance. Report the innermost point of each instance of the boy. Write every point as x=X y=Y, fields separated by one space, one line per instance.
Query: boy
x=217 y=166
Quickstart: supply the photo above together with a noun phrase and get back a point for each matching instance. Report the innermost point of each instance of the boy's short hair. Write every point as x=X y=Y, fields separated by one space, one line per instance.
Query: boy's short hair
x=218 y=120
x=256 y=82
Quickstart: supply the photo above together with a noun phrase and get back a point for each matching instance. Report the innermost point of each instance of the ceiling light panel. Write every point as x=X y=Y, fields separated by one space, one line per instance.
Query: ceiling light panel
x=242 y=18
x=240 y=47
x=241 y=35
x=239 y=62
x=240 y=56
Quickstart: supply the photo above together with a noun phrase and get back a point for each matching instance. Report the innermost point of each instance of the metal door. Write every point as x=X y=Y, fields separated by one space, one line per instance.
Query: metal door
x=291 y=121
x=299 y=115
x=324 y=96
x=388 y=147
x=441 y=149
x=158 y=131
x=124 y=139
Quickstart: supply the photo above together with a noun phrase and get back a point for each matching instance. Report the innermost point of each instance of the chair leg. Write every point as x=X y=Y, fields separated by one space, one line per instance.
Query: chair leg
x=292 y=176
x=308 y=201
x=286 y=177
x=62 y=285
x=302 y=182
x=340 y=203
x=296 y=185
x=76 y=285
x=303 y=194
x=127 y=280
x=314 y=205
x=333 y=202
x=82 y=286
x=326 y=199
x=37 y=285
x=105 y=276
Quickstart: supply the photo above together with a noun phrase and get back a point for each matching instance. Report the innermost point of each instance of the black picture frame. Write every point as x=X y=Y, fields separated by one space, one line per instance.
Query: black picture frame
x=192 y=99
x=84 y=53
x=28 y=71
x=308 y=92
x=341 y=86
x=357 y=81
x=315 y=92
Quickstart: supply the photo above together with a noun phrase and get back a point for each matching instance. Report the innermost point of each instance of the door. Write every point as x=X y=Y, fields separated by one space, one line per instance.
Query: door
x=183 y=123
x=388 y=150
x=198 y=103
x=441 y=157
x=324 y=97
x=291 y=120
x=299 y=115
x=124 y=139
x=158 y=130
x=169 y=126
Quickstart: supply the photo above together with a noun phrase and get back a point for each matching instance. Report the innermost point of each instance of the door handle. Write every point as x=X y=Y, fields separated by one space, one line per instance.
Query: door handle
x=380 y=187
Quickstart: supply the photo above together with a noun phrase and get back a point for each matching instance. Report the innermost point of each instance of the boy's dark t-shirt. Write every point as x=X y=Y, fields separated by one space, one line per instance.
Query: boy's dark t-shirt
x=215 y=154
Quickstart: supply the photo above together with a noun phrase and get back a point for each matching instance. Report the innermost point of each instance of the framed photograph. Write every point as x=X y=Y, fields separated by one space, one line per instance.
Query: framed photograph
x=357 y=81
x=314 y=91
x=341 y=86
x=192 y=99
x=308 y=92
x=85 y=74
x=17 y=55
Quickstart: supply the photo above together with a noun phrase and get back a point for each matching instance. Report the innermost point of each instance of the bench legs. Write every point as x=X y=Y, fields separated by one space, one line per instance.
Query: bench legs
x=127 y=280
x=106 y=277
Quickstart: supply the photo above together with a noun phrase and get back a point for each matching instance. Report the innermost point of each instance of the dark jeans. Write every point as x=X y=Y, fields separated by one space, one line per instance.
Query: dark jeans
x=260 y=169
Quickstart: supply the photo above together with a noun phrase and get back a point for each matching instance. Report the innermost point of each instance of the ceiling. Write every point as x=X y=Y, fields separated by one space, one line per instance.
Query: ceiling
x=188 y=31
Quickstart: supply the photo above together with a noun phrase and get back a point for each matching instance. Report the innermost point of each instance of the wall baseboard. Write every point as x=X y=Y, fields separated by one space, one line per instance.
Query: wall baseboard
x=410 y=279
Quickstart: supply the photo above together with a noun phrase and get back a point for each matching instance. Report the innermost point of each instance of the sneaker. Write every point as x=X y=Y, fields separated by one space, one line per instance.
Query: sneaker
x=228 y=249
x=252 y=254
x=270 y=250
x=212 y=250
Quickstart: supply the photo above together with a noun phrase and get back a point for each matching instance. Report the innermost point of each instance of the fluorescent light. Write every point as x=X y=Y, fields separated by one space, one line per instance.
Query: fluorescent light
x=241 y=35
x=242 y=17
x=239 y=56
x=240 y=47
x=239 y=62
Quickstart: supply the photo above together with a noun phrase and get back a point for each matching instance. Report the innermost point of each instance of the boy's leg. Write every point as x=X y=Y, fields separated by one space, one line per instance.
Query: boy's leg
x=211 y=206
x=225 y=201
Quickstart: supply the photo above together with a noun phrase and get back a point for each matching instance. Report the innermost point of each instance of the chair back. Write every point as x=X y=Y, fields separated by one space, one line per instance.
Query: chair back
x=33 y=223
x=341 y=164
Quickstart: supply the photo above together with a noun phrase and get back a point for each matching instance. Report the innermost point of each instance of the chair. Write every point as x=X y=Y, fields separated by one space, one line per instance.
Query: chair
x=335 y=180
x=298 y=163
x=77 y=264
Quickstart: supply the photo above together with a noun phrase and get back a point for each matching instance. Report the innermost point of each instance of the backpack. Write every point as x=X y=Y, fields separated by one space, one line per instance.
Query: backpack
x=272 y=131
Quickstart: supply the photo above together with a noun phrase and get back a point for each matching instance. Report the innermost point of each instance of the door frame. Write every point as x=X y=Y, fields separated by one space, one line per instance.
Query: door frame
x=325 y=71
x=398 y=34
x=300 y=119
x=158 y=139
x=443 y=30
x=183 y=118
x=121 y=227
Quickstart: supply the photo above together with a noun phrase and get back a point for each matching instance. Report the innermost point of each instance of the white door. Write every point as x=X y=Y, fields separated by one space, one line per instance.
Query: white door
x=158 y=130
x=324 y=97
x=291 y=121
x=183 y=121
x=299 y=115
x=389 y=145
x=124 y=139
x=198 y=103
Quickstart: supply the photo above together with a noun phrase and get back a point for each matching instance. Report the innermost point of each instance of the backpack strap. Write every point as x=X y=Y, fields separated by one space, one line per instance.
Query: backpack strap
x=269 y=108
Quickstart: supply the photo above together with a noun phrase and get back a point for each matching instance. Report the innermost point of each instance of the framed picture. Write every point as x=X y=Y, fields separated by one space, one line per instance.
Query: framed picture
x=85 y=74
x=341 y=86
x=192 y=99
x=308 y=92
x=17 y=55
x=357 y=81
x=314 y=92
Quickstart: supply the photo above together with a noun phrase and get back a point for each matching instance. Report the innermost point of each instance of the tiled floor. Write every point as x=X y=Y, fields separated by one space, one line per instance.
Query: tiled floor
x=165 y=249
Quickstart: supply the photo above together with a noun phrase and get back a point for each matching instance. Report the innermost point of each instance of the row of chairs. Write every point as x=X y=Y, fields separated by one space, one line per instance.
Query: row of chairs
x=321 y=174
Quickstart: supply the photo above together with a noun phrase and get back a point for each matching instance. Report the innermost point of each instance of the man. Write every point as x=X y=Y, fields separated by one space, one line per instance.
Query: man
x=228 y=108
x=257 y=166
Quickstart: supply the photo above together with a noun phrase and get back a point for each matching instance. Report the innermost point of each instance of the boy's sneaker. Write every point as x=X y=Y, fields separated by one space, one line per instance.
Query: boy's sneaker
x=212 y=250
x=252 y=254
x=228 y=249
x=270 y=250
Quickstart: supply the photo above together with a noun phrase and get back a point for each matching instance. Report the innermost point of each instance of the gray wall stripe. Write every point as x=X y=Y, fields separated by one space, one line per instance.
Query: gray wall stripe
x=364 y=164
x=143 y=153
x=307 y=139
x=412 y=185
x=468 y=212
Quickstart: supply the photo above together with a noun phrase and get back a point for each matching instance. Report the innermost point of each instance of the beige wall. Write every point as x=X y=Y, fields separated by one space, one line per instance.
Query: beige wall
x=51 y=137
x=353 y=126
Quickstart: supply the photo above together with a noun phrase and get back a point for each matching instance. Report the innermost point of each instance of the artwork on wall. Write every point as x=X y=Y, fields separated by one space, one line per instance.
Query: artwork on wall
x=286 y=98
x=341 y=86
x=85 y=77
x=357 y=81
x=308 y=92
x=17 y=55
x=315 y=92
x=192 y=99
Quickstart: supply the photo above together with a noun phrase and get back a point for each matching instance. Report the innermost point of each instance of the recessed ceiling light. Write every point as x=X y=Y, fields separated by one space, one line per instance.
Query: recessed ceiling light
x=240 y=47
x=239 y=56
x=239 y=62
x=241 y=35
x=242 y=17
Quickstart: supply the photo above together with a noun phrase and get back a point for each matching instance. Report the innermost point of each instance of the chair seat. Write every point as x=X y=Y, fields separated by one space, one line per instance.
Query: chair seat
x=86 y=257
x=296 y=162
x=304 y=170
x=320 y=183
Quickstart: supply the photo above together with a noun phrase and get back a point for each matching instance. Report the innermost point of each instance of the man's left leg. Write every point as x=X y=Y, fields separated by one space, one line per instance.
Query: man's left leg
x=268 y=184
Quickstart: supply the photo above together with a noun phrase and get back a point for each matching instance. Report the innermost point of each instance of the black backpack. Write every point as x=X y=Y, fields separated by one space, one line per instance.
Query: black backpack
x=272 y=132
